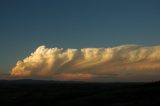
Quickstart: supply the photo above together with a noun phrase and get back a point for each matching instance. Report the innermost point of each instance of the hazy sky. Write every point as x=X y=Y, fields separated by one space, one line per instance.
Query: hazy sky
x=27 y=24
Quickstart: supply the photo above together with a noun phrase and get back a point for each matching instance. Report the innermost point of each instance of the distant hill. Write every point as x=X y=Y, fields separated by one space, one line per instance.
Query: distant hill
x=71 y=93
x=31 y=81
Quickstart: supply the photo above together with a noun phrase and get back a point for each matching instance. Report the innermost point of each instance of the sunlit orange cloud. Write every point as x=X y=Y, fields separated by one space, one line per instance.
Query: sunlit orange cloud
x=78 y=76
x=88 y=63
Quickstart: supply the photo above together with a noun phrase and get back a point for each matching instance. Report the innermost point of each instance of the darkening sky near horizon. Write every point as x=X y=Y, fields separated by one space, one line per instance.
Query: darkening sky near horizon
x=27 y=24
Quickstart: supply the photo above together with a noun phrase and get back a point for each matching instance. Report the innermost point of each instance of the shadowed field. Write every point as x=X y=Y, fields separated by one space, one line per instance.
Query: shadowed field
x=45 y=93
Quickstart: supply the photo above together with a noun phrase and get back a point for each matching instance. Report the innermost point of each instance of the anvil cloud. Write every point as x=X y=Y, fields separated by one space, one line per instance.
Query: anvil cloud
x=120 y=62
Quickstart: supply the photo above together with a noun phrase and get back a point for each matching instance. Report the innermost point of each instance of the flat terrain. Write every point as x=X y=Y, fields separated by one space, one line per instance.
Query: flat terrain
x=46 y=93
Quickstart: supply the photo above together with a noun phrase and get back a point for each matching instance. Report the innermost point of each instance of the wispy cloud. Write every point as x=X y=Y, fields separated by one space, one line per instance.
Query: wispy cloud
x=125 y=61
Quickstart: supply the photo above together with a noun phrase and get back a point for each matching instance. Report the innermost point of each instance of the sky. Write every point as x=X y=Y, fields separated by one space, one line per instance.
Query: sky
x=27 y=24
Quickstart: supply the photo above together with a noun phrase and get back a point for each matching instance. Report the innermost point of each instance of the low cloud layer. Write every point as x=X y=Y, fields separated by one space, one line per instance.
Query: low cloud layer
x=123 y=62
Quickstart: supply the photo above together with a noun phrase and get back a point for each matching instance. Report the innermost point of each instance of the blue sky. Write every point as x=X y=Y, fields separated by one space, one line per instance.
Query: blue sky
x=27 y=24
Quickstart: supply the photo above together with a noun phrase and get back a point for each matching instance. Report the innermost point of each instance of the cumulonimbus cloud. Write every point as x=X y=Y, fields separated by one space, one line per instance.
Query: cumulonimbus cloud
x=125 y=61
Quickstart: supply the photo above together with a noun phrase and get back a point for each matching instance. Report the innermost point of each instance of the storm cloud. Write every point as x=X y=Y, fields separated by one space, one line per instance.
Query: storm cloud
x=120 y=62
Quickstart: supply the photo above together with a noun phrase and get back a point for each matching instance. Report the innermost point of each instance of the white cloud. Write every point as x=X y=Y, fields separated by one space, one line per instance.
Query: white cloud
x=125 y=61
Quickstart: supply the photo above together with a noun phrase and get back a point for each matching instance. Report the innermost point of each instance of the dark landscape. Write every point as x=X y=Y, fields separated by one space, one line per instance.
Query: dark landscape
x=70 y=93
